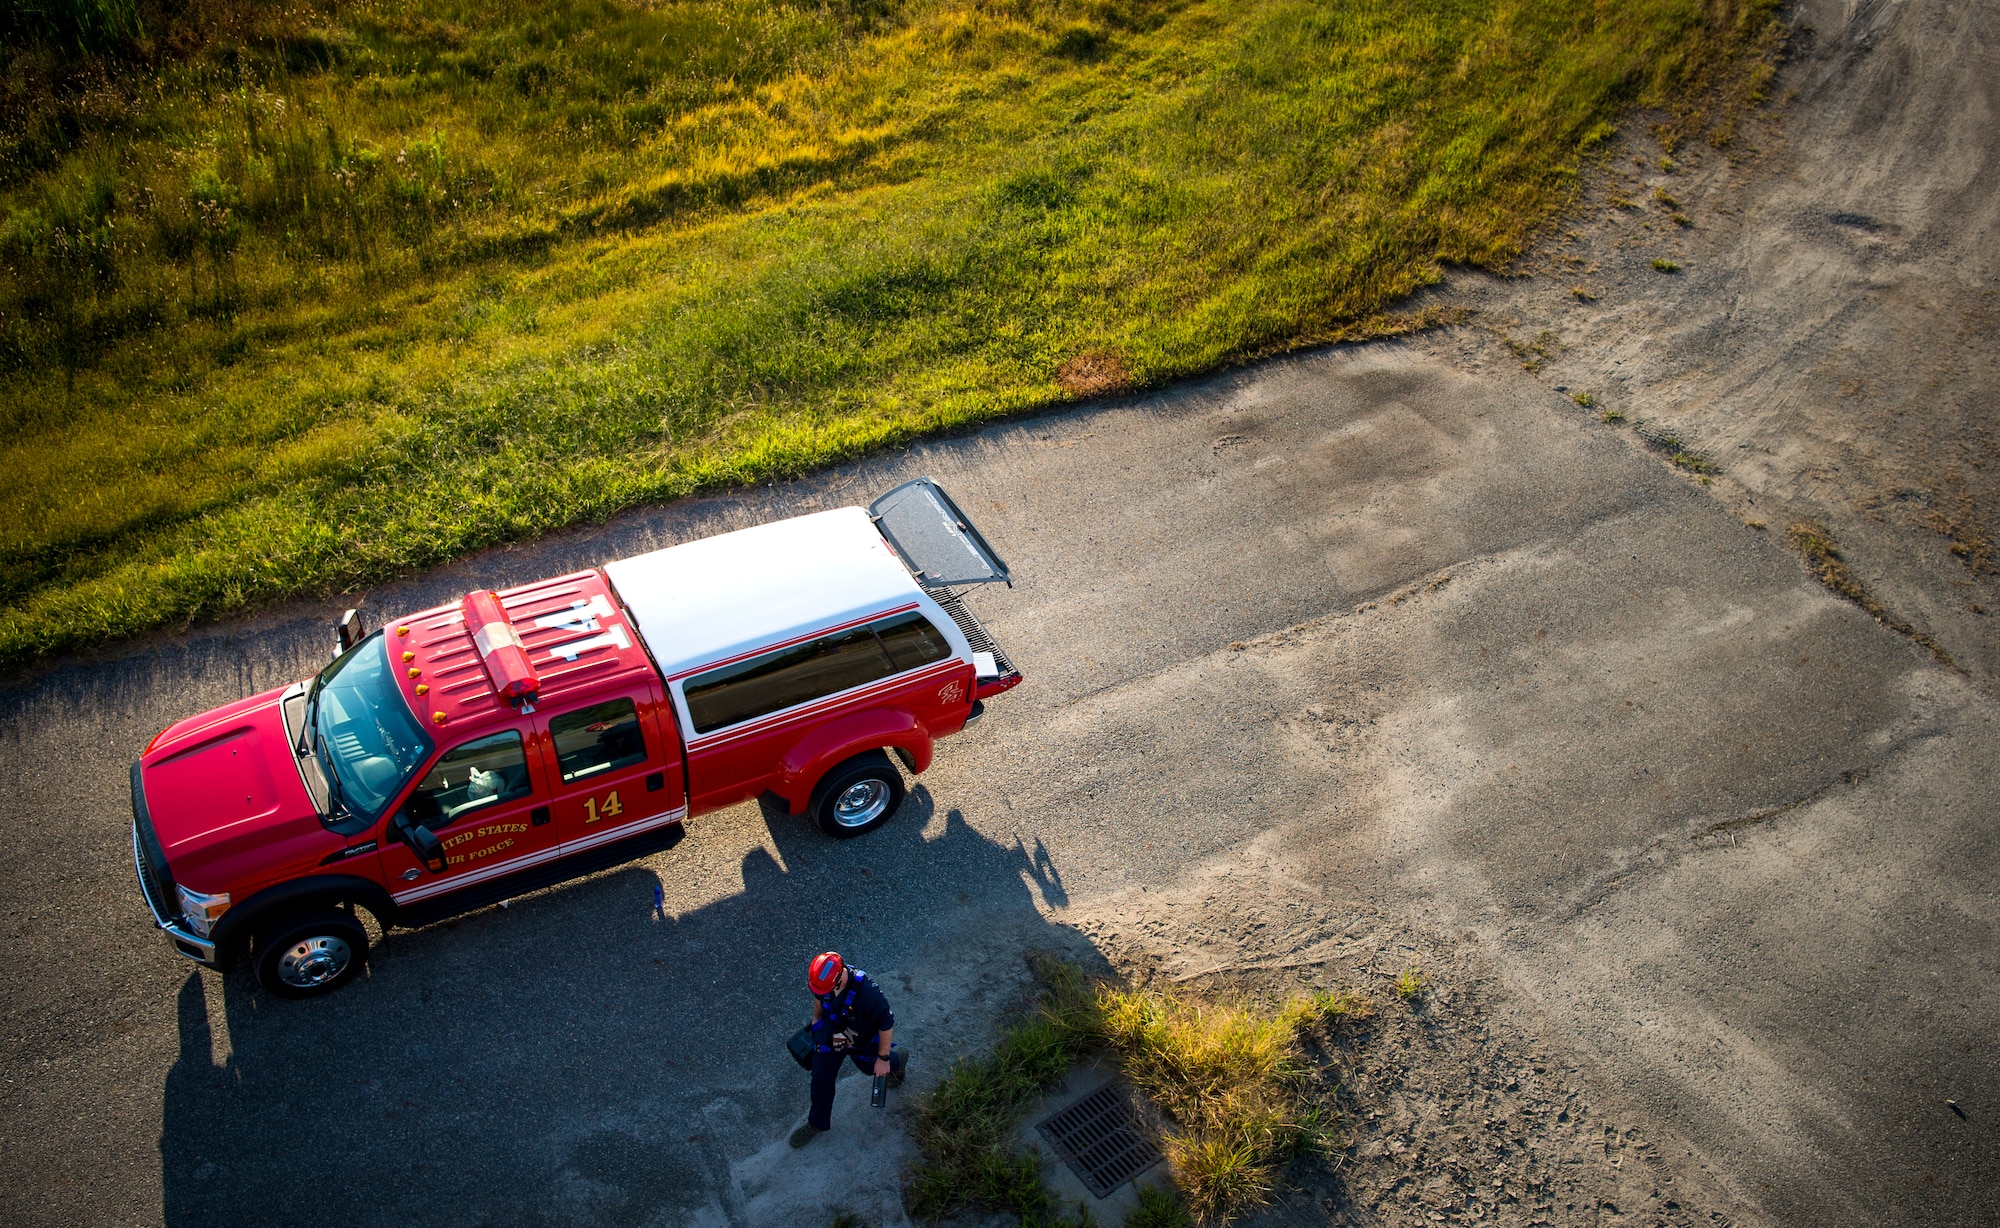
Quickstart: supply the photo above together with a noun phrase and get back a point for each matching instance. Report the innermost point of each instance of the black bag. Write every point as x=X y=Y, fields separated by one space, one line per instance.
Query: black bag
x=801 y=1047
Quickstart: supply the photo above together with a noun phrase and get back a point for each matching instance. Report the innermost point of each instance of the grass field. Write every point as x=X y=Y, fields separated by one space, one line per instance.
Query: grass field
x=295 y=299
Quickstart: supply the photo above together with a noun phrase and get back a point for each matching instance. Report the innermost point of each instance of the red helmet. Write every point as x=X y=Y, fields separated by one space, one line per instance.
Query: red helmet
x=823 y=973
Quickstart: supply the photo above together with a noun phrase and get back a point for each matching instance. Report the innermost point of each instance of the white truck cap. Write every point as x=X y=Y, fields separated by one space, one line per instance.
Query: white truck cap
x=707 y=601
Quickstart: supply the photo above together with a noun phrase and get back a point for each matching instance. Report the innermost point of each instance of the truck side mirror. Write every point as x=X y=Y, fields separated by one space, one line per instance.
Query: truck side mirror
x=348 y=631
x=423 y=842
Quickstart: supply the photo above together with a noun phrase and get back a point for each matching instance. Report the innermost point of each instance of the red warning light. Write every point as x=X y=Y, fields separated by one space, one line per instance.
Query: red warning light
x=500 y=649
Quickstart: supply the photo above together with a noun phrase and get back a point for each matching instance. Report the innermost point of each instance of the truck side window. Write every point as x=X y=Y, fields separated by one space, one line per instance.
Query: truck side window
x=781 y=679
x=809 y=671
x=911 y=640
x=471 y=777
x=597 y=739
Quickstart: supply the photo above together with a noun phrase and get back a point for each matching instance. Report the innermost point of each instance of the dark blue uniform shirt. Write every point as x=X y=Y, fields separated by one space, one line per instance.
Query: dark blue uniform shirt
x=860 y=1006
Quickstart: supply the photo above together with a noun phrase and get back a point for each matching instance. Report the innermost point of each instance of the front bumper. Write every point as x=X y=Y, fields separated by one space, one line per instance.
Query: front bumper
x=182 y=939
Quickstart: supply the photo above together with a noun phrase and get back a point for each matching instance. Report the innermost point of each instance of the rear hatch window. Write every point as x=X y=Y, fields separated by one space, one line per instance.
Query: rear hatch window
x=934 y=538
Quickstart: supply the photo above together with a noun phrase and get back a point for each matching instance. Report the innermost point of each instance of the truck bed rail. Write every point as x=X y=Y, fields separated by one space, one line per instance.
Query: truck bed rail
x=975 y=634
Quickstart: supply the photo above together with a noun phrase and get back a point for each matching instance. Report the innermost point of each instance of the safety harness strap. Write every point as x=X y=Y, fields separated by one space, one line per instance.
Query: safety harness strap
x=841 y=1011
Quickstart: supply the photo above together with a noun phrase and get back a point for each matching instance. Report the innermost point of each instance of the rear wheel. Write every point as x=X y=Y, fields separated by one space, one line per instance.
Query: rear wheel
x=309 y=955
x=858 y=796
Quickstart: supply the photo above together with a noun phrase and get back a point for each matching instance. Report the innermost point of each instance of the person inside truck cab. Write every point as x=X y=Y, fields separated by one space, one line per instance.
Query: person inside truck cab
x=471 y=777
x=483 y=786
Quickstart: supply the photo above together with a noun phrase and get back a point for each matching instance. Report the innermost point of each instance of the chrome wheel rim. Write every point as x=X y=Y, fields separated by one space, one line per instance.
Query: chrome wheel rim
x=860 y=803
x=313 y=962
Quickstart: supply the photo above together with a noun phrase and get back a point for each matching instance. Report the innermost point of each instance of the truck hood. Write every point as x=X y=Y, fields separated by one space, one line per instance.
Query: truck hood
x=225 y=798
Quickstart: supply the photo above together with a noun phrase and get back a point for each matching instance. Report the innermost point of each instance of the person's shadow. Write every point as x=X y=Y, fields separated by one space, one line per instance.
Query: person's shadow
x=583 y=1056
x=190 y=1096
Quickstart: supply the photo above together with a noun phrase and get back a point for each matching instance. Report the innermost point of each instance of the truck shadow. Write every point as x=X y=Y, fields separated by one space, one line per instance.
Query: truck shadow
x=582 y=1057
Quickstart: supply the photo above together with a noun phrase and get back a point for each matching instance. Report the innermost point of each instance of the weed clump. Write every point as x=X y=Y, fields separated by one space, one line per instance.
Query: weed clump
x=1663 y=265
x=1158 y=1209
x=1678 y=453
x=1410 y=983
x=1534 y=353
x=1228 y=1079
x=1584 y=399
x=1811 y=539
x=1957 y=520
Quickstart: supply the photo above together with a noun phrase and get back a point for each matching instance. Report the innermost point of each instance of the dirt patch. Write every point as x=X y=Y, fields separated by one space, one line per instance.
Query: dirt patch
x=1449 y=1112
x=1804 y=306
x=1955 y=516
x=1097 y=374
x=1451 y=1120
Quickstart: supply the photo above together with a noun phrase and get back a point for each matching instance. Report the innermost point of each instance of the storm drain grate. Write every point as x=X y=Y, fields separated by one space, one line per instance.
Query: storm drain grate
x=1100 y=1139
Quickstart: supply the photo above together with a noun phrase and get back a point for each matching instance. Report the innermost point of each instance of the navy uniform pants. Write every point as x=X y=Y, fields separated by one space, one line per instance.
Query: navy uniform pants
x=826 y=1068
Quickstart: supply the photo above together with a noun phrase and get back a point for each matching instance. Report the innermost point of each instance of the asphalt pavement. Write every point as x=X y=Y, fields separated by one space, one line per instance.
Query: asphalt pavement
x=1404 y=622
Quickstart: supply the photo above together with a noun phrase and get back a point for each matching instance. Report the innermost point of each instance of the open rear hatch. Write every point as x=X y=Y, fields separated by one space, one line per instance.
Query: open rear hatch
x=940 y=545
x=934 y=537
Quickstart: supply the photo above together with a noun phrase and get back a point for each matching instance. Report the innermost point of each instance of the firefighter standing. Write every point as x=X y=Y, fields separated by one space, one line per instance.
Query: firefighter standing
x=851 y=1018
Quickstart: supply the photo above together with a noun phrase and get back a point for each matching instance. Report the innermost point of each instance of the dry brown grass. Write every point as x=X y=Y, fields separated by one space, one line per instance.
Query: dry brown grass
x=1959 y=523
x=1230 y=1079
x=1095 y=374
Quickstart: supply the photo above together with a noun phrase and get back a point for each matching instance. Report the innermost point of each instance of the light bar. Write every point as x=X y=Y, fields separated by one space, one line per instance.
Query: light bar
x=500 y=649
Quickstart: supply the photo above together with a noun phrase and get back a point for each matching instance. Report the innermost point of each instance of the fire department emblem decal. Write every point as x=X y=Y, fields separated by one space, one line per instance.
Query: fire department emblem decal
x=950 y=691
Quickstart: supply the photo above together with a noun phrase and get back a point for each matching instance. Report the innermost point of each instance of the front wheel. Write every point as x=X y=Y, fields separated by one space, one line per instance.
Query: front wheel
x=309 y=955
x=858 y=796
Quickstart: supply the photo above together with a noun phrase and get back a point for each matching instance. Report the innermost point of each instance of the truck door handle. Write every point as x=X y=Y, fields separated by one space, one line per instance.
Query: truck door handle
x=538 y=816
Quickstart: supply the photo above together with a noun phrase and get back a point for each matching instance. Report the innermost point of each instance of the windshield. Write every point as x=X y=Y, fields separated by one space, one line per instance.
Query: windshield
x=363 y=732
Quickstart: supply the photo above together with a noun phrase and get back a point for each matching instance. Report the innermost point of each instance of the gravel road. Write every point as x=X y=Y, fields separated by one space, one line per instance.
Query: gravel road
x=1370 y=657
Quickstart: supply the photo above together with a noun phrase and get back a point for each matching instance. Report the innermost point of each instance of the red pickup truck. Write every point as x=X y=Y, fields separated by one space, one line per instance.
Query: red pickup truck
x=465 y=754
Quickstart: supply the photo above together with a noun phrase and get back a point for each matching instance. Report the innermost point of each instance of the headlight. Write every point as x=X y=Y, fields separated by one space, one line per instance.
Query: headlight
x=200 y=911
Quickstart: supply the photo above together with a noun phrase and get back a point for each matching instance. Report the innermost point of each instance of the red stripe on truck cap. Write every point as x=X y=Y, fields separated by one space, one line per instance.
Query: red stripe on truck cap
x=499 y=646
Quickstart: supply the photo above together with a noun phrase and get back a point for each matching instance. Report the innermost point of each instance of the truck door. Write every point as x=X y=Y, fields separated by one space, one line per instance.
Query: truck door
x=617 y=771
x=487 y=800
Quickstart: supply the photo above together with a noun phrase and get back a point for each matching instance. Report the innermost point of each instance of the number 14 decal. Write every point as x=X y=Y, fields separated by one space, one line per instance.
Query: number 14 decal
x=610 y=807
